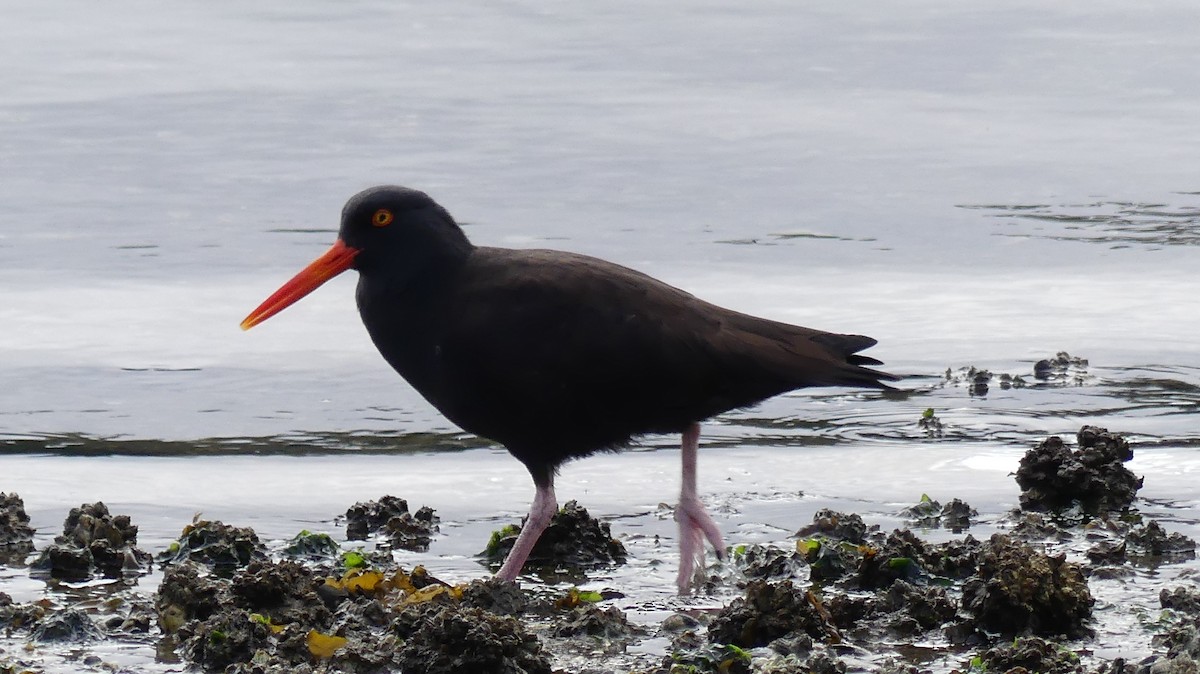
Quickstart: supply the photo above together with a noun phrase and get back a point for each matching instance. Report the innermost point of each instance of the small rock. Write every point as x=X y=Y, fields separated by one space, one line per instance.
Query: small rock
x=449 y=639
x=1019 y=590
x=223 y=547
x=1092 y=478
x=502 y=597
x=957 y=514
x=833 y=524
x=65 y=562
x=223 y=639
x=93 y=540
x=66 y=625
x=574 y=540
x=391 y=517
x=1152 y=540
x=1063 y=367
x=313 y=546
x=1107 y=552
x=593 y=621
x=766 y=612
x=16 y=536
x=678 y=622
x=927 y=606
x=768 y=562
x=1183 y=599
x=187 y=592
x=1033 y=655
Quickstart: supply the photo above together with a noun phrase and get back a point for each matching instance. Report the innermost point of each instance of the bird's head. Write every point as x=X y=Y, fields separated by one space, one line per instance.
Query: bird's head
x=387 y=232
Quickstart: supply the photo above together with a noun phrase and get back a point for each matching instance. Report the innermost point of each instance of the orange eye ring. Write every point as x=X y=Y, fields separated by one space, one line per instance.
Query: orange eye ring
x=382 y=218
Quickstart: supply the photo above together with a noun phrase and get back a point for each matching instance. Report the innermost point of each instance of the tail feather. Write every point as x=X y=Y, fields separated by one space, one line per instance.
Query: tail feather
x=804 y=357
x=857 y=373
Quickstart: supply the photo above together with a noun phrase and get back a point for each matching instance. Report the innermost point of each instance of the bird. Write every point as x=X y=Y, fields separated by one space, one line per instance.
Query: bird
x=557 y=355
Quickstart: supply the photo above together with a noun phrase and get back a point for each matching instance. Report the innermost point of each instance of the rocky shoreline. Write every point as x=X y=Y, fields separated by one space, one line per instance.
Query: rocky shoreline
x=842 y=596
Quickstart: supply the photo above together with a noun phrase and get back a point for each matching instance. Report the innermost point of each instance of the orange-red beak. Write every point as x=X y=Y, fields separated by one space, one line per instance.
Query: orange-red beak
x=336 y=260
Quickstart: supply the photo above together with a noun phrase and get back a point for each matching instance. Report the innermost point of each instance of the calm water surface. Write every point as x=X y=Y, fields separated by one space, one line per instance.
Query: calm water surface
x=973 y=186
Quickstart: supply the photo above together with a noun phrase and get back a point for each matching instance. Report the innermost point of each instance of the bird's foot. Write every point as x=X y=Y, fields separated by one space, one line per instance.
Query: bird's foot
x=695 y=525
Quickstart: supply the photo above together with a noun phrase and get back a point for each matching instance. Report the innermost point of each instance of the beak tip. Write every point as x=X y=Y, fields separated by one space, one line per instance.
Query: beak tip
x=334 y=261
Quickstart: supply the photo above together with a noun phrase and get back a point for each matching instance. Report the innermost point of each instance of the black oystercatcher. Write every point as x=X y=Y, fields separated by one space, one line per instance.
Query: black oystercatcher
x=557 y=355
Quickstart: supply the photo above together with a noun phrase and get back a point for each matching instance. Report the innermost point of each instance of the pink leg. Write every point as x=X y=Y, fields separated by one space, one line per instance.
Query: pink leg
x=540 y=513
x=694 y=523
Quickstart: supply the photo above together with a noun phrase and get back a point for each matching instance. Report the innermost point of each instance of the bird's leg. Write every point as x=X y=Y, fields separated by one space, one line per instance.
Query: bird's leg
x=540 y=513
x=694 y=523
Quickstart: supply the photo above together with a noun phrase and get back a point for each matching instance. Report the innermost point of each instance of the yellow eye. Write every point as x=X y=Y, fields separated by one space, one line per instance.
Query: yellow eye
x=382 y=218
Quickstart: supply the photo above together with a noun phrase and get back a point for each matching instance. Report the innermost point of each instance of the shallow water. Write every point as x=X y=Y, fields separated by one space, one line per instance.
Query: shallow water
x=972 y=186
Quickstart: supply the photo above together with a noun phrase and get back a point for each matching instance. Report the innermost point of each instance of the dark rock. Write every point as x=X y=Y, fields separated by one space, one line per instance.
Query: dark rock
x=391 y=517
x=66 y=625
x=1182 y=641
x=223 y=639
x=284 y=591
x=365 y=518
x=1033 y=655
x=927 y=607
x=1019 y=590
x=926 y=513
x=678 y=622
x=957 y=514
x=313 y=546
x=793 y=645
x=1152 y=540
x=19 y=616
x=409 y=532
x=768 y=562
x=954 y=559
x=1107 y=552
x=931 y=424
x=92 y=522
x=833 y=524
x=16 y=536
x=892 y=665
x=903 y=609
x=1183 y=599
x=702 y=658
x=63 y=561
x=502 y=597
x=1093 y=478
x=93 y=540
x=138 y=617
x=847 y=612
x=900 y=557
x=766 y=612
x=574 y=540
x=822 y=662
x=449 y=639
x=223 y=547
x=186 y=593
x=1062 y=368
x=110 y=539
x=1035 y=526
x=829 y=559
x=593 y=621
x=976 y=380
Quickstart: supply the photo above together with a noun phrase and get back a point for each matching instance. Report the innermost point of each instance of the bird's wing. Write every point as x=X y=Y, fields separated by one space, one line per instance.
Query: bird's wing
x=591 y=340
